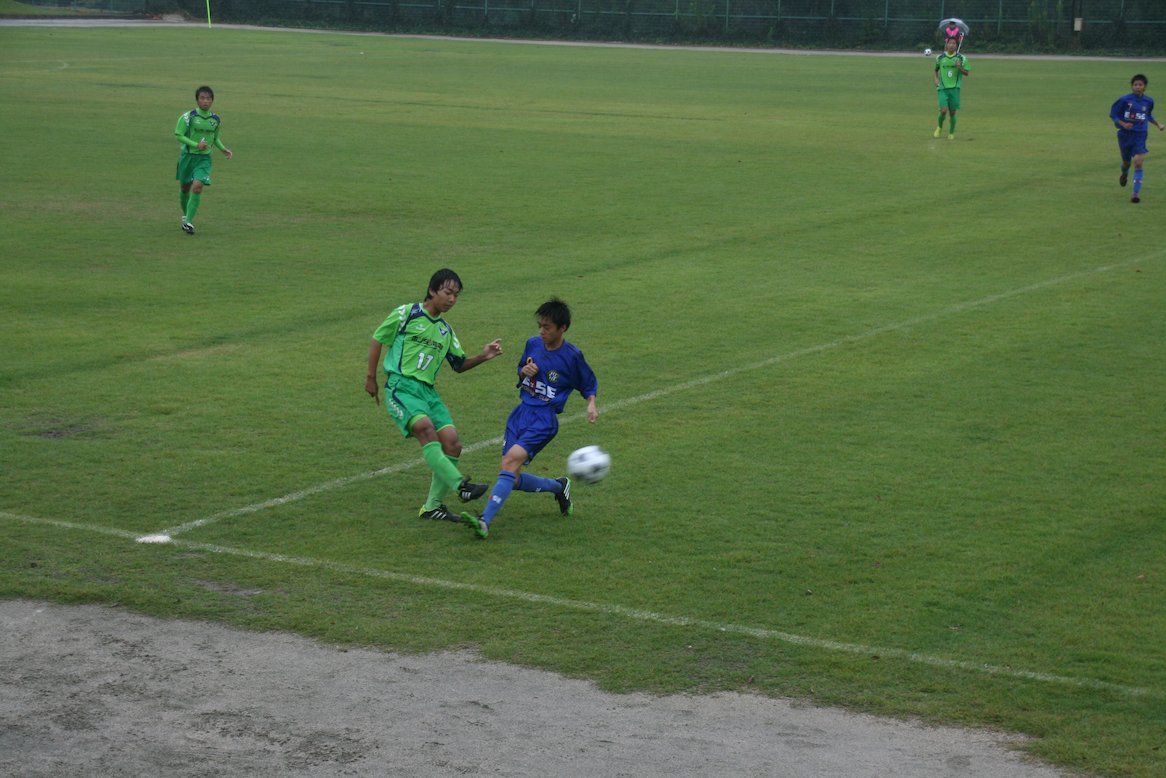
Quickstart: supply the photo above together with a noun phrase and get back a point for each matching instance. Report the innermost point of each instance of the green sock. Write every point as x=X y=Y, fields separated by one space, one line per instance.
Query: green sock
x=941 y=119
x=183 y=197
x=192 y=206
x=951 y=131
x=437 y=488
x=443 y=470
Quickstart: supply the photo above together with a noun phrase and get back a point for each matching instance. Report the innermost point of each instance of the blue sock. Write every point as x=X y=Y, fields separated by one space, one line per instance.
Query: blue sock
x=501 y=491
x=1138 y=180
x=534 y=483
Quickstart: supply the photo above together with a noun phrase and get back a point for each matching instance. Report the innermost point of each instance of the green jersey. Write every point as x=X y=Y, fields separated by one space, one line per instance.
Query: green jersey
x=418 y=343
x=948 y=70
x=196 y=125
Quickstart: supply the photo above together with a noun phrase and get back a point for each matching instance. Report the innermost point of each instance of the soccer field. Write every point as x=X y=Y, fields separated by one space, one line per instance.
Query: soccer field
x=886 y=412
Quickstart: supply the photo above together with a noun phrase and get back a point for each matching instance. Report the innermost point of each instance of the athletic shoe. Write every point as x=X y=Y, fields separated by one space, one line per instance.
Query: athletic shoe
x=951 y=136
x=440 y=513
x=481 y=528
x=467 y=491
x=1124 y=177
x=565 y=504
x=187 y=227
x=1135 y=199
x=936 y=133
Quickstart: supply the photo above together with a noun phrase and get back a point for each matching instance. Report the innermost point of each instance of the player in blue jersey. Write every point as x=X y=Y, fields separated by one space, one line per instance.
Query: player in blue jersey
x=1132 y=114
x=550 y=368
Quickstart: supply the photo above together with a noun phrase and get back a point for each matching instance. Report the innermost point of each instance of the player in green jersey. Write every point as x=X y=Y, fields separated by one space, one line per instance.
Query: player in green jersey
x=950 y=69
x=418 y=340
x=197 y=132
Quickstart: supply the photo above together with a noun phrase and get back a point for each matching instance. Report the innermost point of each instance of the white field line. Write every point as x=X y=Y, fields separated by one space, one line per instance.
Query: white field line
x=628 y=402
x=326 y=486
x=633 y=614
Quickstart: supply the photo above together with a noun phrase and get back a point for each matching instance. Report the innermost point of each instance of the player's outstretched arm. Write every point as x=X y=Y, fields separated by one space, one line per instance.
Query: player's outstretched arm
x=491 y=350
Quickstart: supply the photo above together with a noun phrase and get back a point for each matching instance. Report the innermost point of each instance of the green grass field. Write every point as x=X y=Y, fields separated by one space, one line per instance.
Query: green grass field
x=886 y=412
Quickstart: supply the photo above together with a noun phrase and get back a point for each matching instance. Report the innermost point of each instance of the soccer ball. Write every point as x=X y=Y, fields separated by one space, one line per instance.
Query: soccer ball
x=588 y=464
x=927 y=52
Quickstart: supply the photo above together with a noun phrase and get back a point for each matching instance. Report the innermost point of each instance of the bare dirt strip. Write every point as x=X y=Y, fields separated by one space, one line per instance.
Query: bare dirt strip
x=101 y=691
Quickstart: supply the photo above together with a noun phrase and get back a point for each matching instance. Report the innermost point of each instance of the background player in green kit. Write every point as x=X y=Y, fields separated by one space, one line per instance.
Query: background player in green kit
x=418 y=341
x=197 y=131
x=950 y=69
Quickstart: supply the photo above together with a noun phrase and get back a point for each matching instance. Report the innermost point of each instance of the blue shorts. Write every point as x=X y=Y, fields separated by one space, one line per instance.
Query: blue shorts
x=530 y=427
x=1131 y=143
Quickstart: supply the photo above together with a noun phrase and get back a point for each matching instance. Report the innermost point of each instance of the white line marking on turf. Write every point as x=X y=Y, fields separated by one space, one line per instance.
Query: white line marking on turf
x=608 y=407
x=327 y=486
x=625 y=612
x=117 y=533
x=154 y=539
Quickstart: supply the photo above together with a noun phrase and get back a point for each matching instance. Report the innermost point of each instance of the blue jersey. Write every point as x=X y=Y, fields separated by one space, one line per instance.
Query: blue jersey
x=1131 y=108
x=559 y=372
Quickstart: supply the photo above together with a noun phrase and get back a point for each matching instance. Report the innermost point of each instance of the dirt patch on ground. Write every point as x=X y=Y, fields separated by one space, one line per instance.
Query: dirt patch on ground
x=100 y=691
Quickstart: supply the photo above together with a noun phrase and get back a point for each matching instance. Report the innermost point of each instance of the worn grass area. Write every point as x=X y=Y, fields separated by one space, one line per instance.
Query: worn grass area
x=886 y=412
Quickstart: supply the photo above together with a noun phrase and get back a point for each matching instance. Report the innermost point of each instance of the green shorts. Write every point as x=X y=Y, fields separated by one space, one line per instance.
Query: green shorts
x=193 y=167
x=407 y=400
x=949 y=99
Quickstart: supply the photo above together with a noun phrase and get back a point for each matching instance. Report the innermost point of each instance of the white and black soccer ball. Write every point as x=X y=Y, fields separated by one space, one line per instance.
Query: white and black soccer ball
x=927 y=52
x=588 y=464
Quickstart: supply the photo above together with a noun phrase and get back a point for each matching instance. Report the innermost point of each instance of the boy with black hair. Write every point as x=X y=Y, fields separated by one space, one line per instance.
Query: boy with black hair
x=418 y=340
x=1132 y=114
x=950 y=69
x=197 y=132
x=549 y=369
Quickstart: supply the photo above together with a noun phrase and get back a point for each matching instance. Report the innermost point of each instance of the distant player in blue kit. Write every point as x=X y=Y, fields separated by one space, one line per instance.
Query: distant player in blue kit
x=549 y=369
x=1132 y=114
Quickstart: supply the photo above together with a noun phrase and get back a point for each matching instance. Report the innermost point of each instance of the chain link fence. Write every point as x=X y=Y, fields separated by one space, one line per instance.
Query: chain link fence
x=94 y=7
x=1043 y=24
x=1131 y=26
